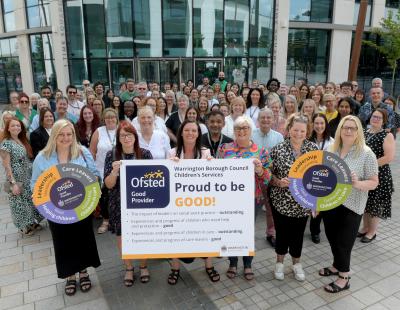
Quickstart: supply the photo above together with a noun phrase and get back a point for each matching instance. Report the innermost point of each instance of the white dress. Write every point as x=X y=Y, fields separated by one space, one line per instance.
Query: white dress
x=104 y=145
x=158 y=146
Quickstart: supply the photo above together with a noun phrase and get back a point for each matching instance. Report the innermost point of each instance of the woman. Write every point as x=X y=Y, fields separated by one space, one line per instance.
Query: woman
x=342 y=223
x=126 y=147
x=217 y=87
x=320 y=135
x=5 y=117
x=225 y=109
x=391 y=102
x=330 y=88
x=229 y=96
x=116 y=105
x=193 y=115
x=309 y=108
x=188 y=146
x=359 y=96
x=330 y=103
x=109 y=98
x=238 y=108
x=161 y=109
x=25 y=113
x=285 y=210
x=235 y=88
x=103 y=140
x=177 y=118
x=316 y=95
x=16 y=155
x=75 y=246
x=98 y=107
x=155 y=141
x=294 y=91
x=289 y=106
x=379 y=203
x=87 y=124
x=194 y=98
x=40 y=136
x=279 y=122
x=88 y=92
x=254 y=103
x=304 y=93
x=33 y=100
x=170 y=98
x=203 y=109
x=130 y=110
x=345 y=107
x=243 y=147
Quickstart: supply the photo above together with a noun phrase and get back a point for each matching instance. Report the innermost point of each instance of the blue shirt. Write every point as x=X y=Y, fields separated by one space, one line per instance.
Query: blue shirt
x=268 y=140
x=71 y=117
x=366 y=112
x=41 y=163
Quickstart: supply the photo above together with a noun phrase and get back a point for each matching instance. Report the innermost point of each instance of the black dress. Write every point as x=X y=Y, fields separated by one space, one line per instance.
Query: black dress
x=115 y=193
x=38 y=139
x=379 y=203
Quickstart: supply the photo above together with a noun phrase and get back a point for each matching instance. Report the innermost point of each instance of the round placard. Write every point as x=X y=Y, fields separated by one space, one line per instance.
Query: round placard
x=66 y=193
x=320 y=180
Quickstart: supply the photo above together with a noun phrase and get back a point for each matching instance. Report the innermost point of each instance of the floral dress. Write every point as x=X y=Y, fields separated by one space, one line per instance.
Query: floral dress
x=115 y=193
x=23 y=212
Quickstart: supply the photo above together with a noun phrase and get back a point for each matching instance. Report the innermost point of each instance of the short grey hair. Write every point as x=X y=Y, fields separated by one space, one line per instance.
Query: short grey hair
x=265 y=110
x=184 y=97
x=242 y=120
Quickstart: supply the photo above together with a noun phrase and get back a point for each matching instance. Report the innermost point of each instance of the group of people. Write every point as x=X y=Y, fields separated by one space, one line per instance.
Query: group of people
x=273 y=124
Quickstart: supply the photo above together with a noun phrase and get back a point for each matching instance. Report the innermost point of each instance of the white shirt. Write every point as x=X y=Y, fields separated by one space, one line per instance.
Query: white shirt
x=75 y=107
x=159 y=124
x=228 y=128
x=106 y=142
x=158 y=146
x=253 y=112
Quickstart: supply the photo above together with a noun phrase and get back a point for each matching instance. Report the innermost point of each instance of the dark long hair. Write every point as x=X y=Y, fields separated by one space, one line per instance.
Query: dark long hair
x=326 y=134
x=42 y=113
x=128 y=127
x=180 y=143
x=21 y=136
x=81 y=124
x=261 y=103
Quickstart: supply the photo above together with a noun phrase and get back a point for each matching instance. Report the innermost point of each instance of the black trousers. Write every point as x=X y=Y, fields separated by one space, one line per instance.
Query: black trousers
x=341 y=227
x=289 y=233
x=104 y=201
x=315 y=224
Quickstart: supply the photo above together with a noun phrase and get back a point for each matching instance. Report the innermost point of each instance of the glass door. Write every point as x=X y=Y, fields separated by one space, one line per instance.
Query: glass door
x=206 y=68
x=120 y=71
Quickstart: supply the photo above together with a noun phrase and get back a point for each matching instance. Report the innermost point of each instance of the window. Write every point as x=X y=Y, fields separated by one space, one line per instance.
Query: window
x=177 y=28
x=319 y=11
x=308 y=55
x=392 y=6
x=75 y=29
x=37 y=12
x=10 y=72
x=148 y=28
x=208 y=23
x=236 y=27
x=9 y=15
x=95 y=27
x=368 y=17
x=42 y=56
x=261 y=23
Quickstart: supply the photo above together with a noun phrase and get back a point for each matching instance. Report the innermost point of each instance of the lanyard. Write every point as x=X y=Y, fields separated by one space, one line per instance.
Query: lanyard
x=211 y=143
x=112 y=141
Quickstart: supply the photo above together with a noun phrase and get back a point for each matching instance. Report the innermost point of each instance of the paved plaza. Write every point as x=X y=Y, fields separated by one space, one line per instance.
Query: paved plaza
x=28 y=279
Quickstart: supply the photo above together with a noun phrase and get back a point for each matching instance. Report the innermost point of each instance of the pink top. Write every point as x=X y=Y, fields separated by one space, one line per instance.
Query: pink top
x=205 y=153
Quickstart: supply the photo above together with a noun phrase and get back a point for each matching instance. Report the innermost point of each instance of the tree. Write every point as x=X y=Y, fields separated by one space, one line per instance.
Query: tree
x=389 y=32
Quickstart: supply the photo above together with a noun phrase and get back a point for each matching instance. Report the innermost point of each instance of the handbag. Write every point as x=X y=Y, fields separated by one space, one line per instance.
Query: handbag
x=7 y=186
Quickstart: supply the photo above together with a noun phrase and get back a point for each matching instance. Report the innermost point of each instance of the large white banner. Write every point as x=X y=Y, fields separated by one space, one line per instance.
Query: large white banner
x=190 y=208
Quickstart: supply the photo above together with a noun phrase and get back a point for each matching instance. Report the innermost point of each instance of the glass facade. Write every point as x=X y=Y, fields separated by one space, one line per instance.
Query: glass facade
x=308 y=55
x=392 y=6
x=368 y=17
x=319 y=11
x=8 y=15
x=37 y=12
x=44 y=72
x=10 y=72
x=169 y=40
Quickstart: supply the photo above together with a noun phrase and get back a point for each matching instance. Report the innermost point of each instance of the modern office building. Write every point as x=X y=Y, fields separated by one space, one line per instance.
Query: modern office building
x=60 y=42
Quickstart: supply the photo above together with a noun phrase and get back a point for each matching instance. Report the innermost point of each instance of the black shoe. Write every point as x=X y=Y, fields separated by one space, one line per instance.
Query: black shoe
x=271 y=240
x=360 y=235
x=315 y=239
x=365 y=239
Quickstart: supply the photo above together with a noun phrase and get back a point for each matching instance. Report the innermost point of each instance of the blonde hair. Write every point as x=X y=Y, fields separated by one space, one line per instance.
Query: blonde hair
x=311 y=101
x=110 y=111
x=360 y=140
x=51 y=145
x=144 y=110
x=239 y=100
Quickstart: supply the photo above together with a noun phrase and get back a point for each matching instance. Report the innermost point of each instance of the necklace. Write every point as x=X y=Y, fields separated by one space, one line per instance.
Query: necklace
x=371 y=134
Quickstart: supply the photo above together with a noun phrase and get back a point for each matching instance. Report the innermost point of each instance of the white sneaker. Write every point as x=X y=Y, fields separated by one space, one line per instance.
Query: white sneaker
x=279 y=271
x=299 y=272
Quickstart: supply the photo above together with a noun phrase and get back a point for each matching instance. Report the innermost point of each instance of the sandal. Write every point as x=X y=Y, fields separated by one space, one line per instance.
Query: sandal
x=84 y=282
x=213 y=274
x=231 y=272
x=326 y=272
x=37 y=227
x=173 y=277
x=146 y=277
x=128 y=281
x=334 y=288
x=70 y=287
x=249 y=275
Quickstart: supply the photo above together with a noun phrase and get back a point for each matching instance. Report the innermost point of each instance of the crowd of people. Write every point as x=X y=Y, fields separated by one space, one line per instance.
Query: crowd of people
x=273 y=124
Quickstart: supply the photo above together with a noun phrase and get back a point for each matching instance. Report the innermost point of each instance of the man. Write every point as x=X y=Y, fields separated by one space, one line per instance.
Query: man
x=355 y=86
x=130 y=91
x=45 y=92
x=86 y=84
x=222 y=81
x=330 y=103
x=376 y=95
x=61 y=110
x=14 y=102
x=214 y=138
x=283 y=90
x=98 y=88
x=74 y=106
x=265 y=137
x=346 y=88
x=210 y=97
x=377 y=82
x=142 y=89
x=206 y=83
